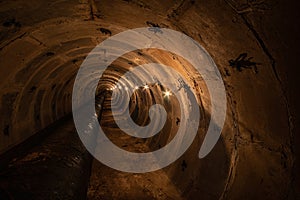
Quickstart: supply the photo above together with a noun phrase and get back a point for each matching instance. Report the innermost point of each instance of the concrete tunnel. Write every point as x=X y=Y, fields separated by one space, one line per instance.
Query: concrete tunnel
x=254 y=45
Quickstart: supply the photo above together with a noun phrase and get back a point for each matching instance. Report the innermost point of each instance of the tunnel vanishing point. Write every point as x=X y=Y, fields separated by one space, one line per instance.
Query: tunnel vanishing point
x=253 y=48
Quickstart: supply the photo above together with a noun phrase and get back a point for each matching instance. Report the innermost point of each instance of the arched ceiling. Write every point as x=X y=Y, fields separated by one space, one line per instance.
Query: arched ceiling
x=42 y=45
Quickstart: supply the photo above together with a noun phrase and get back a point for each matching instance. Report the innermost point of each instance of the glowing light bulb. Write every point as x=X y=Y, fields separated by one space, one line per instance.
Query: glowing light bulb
x=167 y=94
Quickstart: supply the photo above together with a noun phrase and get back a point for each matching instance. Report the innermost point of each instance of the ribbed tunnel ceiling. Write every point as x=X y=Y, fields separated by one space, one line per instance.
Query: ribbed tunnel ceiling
x=43 y=44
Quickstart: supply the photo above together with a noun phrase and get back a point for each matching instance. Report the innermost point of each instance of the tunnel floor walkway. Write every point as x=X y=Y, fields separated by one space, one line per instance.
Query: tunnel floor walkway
x=107 y=183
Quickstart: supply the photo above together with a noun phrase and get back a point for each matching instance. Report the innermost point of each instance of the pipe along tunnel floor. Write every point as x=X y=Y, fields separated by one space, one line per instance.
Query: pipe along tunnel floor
x=56 y=168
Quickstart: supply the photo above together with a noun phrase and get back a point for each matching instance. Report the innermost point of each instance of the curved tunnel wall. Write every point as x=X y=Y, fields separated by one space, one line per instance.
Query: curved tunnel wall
x=43 y=44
